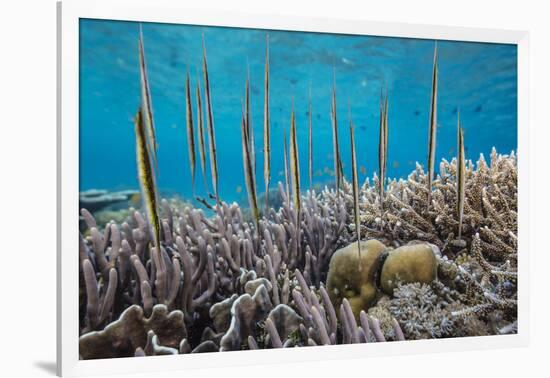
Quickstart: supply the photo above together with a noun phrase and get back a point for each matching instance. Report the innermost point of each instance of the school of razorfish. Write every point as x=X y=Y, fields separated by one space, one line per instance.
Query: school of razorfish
x=146 y=148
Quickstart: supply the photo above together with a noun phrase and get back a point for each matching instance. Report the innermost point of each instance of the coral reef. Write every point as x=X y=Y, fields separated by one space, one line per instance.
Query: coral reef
x=220 y=283
x=488 y=274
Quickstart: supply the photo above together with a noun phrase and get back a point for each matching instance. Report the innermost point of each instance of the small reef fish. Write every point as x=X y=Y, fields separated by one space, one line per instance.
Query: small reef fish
x=433 y=128
x=147 y=179
x=202 y=148
x=267 y=132
x=135 y=198
x=190 y=130
x=239 y=189
x=461 y=177
x=346 y=61
x=363 y=170
x=336 y=147
x=146 y=102
x=328 y=171
x=355 y=191
x=249 y=175
x=294 y=165
x=210 y=122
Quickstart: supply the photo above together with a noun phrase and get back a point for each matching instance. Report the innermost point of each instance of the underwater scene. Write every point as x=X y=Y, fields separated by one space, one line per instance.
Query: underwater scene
x=253 y=189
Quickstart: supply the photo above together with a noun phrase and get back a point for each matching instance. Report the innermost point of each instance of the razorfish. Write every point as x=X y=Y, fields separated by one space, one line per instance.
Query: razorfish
x=336 y=147
x=248 y=175
x=287 y=178
x=294 y=164
x=433 y=129
x=310 y=143
x=460 y=177
x=267 y=133
x=202 y=148
x=383 y=147
x=146 y=102
x=147 y=180
x=190 y=131
x=210 y=124
x=249 y=127
x=355 y=190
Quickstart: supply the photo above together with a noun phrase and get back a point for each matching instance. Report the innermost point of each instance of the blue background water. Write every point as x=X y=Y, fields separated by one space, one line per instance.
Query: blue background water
x=480 y=79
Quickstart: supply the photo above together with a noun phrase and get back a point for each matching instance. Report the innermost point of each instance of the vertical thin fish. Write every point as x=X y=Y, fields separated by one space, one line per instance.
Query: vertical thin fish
x=287 y=178
x=336 y=147
x=461 y=177
x=146 y=102
x=249 y=127
x=248 y=175
x=383 y=148
x=386 y=134
x=147 y=179
x=341 y=168
x=210 y=123
x=190 y=131
x=267 y=132
x=355 y=190
x=310 y=143
x=381 y=151
x=294 y=164
x=202 y=148
x=295 y=175
x=433 y=129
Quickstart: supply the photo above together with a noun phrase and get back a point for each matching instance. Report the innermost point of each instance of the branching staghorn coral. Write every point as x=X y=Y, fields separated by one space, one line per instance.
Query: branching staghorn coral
x=420 y=312
x=490 y=208
x=428 y=311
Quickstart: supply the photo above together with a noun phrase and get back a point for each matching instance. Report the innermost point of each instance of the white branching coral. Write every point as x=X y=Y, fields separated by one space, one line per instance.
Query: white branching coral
x=490 y=209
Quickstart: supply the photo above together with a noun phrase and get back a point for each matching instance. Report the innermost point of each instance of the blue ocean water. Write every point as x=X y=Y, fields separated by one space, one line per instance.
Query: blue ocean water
x=479 y=79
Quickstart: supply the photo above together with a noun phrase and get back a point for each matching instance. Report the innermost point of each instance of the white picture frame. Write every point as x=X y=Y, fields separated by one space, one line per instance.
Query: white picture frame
x=69 y=13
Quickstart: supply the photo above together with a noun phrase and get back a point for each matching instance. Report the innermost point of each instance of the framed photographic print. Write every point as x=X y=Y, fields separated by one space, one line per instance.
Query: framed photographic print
x=250 y=189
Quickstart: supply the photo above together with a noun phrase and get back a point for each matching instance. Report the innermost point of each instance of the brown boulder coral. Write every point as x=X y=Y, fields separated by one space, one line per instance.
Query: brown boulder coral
x=408 y=264
x=346 y=280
